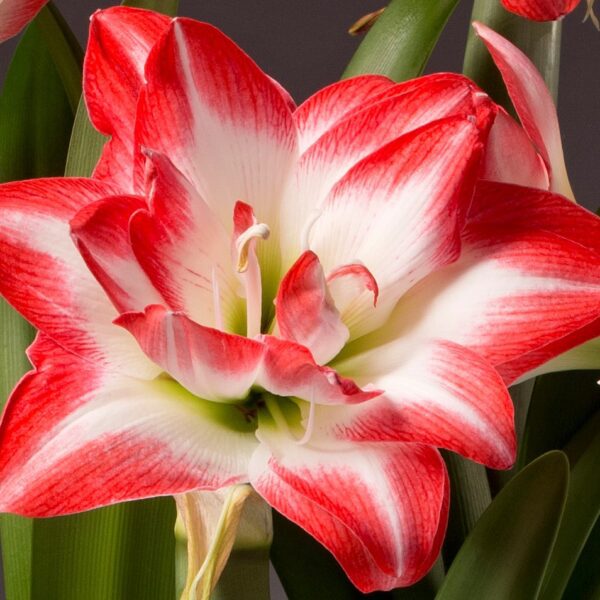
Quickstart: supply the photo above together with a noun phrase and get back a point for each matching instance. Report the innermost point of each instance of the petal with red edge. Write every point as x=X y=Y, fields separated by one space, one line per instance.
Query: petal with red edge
x=44 y=277
x=540 y=10
x=75 y=436
x=399 y=212
x=329 y=105
x=527 y=280
x=533 y=103
x=184 y=249
x=222 y=121
x=289 y=369
x=400 y=110
x=101 y=232
x=510 y=156
x=439 y=393
x=305 y=310
x=209 y=363
x=119 y=44
x=15 y=14
x=380 y=509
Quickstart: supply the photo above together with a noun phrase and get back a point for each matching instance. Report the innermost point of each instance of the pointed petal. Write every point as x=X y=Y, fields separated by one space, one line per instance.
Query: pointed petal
x=528 y=276
x=15 y=14
x=380 y=509
x=101 y=232
x=540 y=10
x=510 y=157
x=289 y=369
x=75 y=436
x=400 y=110
x=209 y=363
x=219 y=118
x=44 y=277
x=399 y=212
x=306 y=313
x=120 y=40
x=439 y=393
x=332 y=103
x=533 y=103
x=184 y=249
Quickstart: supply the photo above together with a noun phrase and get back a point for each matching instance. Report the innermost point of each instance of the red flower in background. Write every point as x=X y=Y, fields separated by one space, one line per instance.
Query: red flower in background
x=311 y=299
x=547 y=10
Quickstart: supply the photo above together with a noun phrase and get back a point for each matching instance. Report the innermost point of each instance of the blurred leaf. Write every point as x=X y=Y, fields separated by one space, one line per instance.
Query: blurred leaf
x=506 y=554
x=401 y=41
x=64 y=49
x=561 y=403
x=581 y=510
x=35 y=125
x=470 y=496
x=168 y=7
x=540 y=41
x=585 y=580
x=306 y=569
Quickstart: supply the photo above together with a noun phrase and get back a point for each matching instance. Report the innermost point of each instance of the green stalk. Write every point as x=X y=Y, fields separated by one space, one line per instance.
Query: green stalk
x=246 y=576
x=401 y=41
x=540 y=41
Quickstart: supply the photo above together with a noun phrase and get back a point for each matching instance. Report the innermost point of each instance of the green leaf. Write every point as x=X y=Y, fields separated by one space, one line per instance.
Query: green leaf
x=123 y=551
x=402 y=39
x=585 y=580
x=540 y=41
x=35 y=123
x=581 y=510
x=64 y=49
x=306 y=569
x=561 y=403
x=506 y=554
x=168 y=7
x=470 y=496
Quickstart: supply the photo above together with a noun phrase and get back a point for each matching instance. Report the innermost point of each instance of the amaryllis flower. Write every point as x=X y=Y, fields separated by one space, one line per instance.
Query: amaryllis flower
x=310 y=299
x=546 y=10
x=15 y=14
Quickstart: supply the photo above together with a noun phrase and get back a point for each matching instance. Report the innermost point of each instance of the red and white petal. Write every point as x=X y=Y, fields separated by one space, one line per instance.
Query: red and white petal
x=541 y=10
x=101 y=232
x=381 y=510
x=222 y=121
x=75 y=436
x=209 y=363
x=533 y=103
x=306 y=312
x=399 y=212
x=331 y=104
x=510 y=156
x=15 y=14
x=289 y=369
x=437 y=393
x=401 y=109
x=528 y=276
x=119 y=44
x=184 y=249
x=44 y=277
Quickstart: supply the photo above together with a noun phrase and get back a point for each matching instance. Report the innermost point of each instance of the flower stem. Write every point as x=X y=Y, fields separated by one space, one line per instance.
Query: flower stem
x=246 y=576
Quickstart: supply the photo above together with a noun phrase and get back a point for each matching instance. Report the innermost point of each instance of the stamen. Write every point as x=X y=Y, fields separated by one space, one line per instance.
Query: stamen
x=310 y=426
x=242 y=244
x=305 y=233
x=217 y=301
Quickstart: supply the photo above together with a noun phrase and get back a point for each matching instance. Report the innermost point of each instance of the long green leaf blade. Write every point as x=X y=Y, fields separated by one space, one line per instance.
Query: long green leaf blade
x=540 y=41
x=581 y=511
x=402 y=39
x=506 y=554
x=35 y=123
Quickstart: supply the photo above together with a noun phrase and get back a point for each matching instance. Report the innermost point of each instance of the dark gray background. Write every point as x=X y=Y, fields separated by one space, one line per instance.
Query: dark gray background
x=304 y=45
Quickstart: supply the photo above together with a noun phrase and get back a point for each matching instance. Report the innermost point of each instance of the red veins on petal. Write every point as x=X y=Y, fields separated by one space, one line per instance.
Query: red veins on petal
x=289 y=369
x=540 y=10
x=15 y=14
